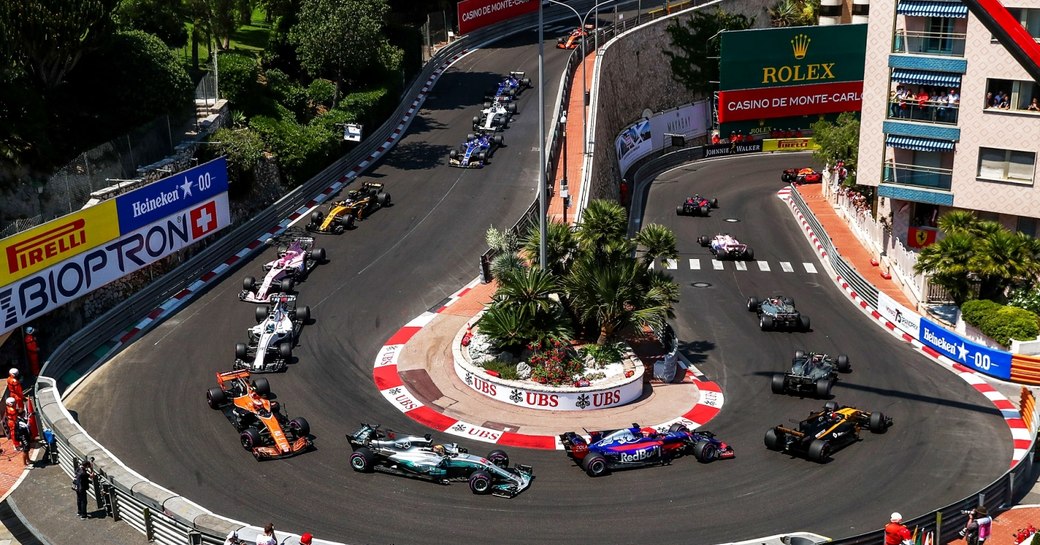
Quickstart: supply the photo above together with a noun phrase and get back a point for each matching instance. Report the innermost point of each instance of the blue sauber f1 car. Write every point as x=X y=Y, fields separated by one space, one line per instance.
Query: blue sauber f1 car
x=474 y=153
x=637 y=447
x=510 y=87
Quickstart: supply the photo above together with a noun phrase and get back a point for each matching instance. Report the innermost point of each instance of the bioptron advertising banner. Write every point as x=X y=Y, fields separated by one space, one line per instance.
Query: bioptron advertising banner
x=474 y=14
x=649 y=135
x=791 y=72
x=64 y=259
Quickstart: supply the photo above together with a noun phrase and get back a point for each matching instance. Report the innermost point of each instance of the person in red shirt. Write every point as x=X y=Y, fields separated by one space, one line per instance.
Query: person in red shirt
x=715 y=138
x=32 y=351
x=895 y=532
x=14 y=388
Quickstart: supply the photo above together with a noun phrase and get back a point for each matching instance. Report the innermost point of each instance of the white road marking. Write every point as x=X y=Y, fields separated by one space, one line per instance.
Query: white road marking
x=763 y=266
x=671 y=264
x=810 y=268
x=716 y=264
x=695 y=264
x=786 y=266
x=741 y=265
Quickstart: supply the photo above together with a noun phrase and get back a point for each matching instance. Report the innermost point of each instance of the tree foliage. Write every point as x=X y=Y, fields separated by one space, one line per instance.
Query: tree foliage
x=343 y=40
x=695 y=46
x=794 y=13
x=838 y=141
x=164 y=18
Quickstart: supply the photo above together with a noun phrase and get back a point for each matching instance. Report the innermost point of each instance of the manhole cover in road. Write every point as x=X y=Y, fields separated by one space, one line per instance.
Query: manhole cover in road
x=701 y=285
x=732 y=220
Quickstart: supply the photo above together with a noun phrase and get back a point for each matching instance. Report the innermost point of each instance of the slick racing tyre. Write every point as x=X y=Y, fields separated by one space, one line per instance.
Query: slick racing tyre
x=830 y=406
x=216 y=398
x=261 y=313
x=878 y=423
x=774 y=440
x=779 y=384
x=261 y=386
x=705 y=451
x=823 y=387
x=241 y=351
x=499 y=458
x=299 y=426
x=595 y=465
x=361 y=460
x=765 y=323
x=819 y=450
x=250 y=438
x=480 y=482
x=843 y=364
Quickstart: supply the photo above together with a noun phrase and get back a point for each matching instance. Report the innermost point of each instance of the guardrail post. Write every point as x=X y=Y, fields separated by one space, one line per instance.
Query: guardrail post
x=149 y=530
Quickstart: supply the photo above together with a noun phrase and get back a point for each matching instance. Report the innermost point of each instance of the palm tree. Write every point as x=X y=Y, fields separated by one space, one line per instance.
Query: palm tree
x=948 y=263
x=1003 y=259
x=658 y=242
x=528 y=290
x=504 y=264
x=560 y=246
x=603 y=222
x=958 y=221
x=785 y=13
x=506 y=328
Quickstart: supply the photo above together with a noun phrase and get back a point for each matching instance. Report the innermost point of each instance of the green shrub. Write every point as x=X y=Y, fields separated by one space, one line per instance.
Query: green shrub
x=608 y=353
x=239 y=81
x=505 y=370
x=1001 y=323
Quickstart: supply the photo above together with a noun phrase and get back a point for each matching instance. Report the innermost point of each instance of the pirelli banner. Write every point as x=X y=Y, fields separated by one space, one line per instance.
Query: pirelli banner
x=64 y=259
x=791 y=72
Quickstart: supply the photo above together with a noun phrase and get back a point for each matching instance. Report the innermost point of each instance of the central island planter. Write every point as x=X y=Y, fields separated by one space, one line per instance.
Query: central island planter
x=612 y=392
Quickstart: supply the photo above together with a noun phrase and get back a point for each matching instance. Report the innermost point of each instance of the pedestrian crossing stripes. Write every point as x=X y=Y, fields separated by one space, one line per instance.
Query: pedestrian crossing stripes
x=695 y=264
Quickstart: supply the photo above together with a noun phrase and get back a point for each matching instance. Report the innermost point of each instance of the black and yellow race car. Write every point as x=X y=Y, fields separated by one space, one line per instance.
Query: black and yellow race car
x=825 y=432
x=357 y=205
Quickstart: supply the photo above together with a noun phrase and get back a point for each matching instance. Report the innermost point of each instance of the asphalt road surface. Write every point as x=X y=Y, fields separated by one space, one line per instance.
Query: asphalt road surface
x=147 y=406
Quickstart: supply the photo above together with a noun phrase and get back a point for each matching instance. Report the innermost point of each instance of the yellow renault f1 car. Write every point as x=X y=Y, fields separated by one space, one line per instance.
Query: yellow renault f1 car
x=826 y=431
x=357 y=205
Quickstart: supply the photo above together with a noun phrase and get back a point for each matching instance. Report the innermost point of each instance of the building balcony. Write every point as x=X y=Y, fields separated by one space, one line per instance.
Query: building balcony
x=917 y=176
x=928 y=43
x=929 y=111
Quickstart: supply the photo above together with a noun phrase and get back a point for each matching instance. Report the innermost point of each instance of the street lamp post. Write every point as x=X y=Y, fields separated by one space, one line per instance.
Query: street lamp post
x=542 y=209
x=564 y=190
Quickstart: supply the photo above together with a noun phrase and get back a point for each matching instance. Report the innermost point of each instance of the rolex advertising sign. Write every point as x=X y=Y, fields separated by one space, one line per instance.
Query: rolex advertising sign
x=791 y=71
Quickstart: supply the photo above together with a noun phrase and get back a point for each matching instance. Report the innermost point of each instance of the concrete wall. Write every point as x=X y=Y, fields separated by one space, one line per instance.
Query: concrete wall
x=635 y=75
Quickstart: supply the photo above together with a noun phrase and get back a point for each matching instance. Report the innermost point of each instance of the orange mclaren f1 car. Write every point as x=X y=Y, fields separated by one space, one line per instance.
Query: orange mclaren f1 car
x=263 y=428
x=574 y=39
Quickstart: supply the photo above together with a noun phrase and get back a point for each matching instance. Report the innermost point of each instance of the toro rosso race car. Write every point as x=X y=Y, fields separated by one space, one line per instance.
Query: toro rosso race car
x=637 y=447
x=726 y=247
x=509 y=88
x=475 y=151
x=825 y=432
x=296 y=259
x=574 y=39
x=342 y=214
x=811 y=373
x=777 y=312
x=801 y=176
x=271 y=340
x=263 y=428
x=696 y=206
x=419 y=457
x=495 y=116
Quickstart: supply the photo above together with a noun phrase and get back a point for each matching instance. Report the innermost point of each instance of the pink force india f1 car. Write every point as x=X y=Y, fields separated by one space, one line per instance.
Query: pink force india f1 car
x=296 y=258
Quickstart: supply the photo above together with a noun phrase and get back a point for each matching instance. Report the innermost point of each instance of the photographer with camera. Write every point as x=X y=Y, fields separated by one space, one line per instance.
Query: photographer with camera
x=977 y=530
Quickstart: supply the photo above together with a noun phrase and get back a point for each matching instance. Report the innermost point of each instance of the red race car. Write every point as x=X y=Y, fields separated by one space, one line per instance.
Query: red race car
x=801 y=176
x=696 y=206
x=575 y=38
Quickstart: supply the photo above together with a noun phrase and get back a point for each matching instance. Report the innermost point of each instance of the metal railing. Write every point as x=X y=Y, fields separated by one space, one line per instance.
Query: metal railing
x=916 y=175
x=929 y=43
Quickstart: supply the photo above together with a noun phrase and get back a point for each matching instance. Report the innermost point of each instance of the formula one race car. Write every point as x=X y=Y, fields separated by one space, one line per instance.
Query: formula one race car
x=419 y=457
x=636 y=447
x=801 y=176
x=575 y=38
x=777 y=312
x=696 y=206
x=725 y=246
x=263 y=428
x=357 y=205
x=825 y=432
x=811 y=373
x=495 y=116
x=296 y=259
x=271 y=340
x=509 y=88
x=475 y=151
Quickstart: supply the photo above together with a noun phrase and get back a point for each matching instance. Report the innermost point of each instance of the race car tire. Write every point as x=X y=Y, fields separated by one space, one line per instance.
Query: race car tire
x=303 y=313
x=285 y=350
x=788 y=300
x=843 y=364
x=261 y=386
x=679 y=210
x=241 y=351
x=798 y=354
x=361 y=460
x=453 y=154
x=511 y=92
x=526 y=82
x=878 y=423
x=704 y=210
x=499 y=458
x=705 y=451
x=511 y=108
x=480 y=482
x=250 y=438
x=749 y=254
x=348 y=221
x=482 y=156
x=487 y=105
x=498 y=139
x=678 y=427
x=299 y=426
x=702 y=240
x=560 y=41
x=261 y=313
x=774 y=440
x=595 y=465
x=316 y=218
x=383 y=199
x=248 y=283
x=216 y=398
x=830 y=406
x=779 y=384
x=470 y=136
x=803 y=322
x=318 y=255
x=286 y=285
x=819 y=450
x=823 y=387
x=722 y=254
x=765 y=323
x=752 y=304
x=714 y=203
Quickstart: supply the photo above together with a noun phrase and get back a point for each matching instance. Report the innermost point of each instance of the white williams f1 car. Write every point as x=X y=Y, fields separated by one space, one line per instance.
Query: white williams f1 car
x=271 y=341
x=495 y=116
x=296 y=259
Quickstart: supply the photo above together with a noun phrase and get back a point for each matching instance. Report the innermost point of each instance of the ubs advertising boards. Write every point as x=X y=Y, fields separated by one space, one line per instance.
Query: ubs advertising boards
x=69 y=257
x=791 y=72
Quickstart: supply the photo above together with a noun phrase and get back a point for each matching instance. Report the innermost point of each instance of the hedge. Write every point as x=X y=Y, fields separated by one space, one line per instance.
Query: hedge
x=1001 y=323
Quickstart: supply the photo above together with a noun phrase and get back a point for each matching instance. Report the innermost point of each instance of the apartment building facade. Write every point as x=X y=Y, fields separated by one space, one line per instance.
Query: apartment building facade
x=949 y=121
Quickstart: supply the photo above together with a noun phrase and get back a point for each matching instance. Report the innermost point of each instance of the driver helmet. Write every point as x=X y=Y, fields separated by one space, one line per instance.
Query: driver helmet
x=270 y=328
x=439 y=450
x=258 y=402
x=832 y=415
